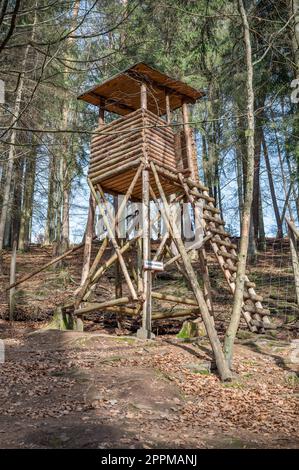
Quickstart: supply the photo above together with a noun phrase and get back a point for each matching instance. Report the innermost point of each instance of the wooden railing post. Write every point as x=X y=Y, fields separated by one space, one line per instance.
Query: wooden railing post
x=188 y=140
x=168 y=112
x=102 y=113
x=143 y=96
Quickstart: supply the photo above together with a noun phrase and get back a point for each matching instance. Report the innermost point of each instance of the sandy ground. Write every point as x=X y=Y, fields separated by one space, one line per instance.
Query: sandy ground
x=93 y=390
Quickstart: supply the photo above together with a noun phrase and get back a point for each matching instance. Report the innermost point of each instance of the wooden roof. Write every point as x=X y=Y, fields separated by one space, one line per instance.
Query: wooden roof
x=121 y=93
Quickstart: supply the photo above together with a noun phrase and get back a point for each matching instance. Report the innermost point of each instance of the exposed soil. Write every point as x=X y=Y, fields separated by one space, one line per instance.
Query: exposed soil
x=99 y=390
x=93 y=390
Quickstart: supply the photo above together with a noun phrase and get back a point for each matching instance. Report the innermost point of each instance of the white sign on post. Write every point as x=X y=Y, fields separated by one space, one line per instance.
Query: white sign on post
x=153 y=265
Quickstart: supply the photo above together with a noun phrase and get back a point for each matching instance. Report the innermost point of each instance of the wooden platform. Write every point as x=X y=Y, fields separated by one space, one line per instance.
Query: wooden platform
x=138 y=137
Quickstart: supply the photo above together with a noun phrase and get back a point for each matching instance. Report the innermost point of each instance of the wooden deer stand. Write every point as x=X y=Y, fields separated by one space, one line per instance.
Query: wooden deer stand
x=141 y=157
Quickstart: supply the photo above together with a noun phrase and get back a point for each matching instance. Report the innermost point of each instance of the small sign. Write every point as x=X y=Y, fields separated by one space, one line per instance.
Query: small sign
x=153 y=265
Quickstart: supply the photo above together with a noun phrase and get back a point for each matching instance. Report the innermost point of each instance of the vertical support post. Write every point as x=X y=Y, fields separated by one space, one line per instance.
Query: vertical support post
x=101 y=114
x=118 y=281
x=143 y=96
x=188 y=140
x=139 y=266
x=202 y=256
x=168 y=112
x=145 y=331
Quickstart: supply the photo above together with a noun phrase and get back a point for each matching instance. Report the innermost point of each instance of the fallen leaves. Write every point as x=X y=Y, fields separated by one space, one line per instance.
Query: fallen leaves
x=76 y=377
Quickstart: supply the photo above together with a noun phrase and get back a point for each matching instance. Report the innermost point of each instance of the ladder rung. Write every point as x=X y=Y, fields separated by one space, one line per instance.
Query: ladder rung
x=211 y=209
x=213 y=219
x=254 y=309
x=222 y=233
x=227 y=255
x=233 y=269
x=253 y=297
x=230 y=245
x=250 y=284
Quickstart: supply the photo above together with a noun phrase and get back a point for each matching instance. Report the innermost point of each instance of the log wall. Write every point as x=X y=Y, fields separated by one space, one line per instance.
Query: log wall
x=124 y=143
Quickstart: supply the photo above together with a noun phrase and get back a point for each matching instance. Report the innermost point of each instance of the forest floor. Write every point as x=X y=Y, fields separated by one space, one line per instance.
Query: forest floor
x=103 y=388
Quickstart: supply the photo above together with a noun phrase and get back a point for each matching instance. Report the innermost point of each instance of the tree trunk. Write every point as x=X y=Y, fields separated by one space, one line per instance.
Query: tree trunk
x=50 y=223
x=211 y=160
x=262 y=235
x=17 y=198
x=241 y=267
x=294 y=10
x=66 y=158
x=12 y=279
x=256 y=181
x=239 y=183
x=294 y=256
x=2 y=182
x=26 y=216
x=205 y=160
x=252 y=250
x=88 y=240
x=272 y=189
x=65 y=184
x=11 y=155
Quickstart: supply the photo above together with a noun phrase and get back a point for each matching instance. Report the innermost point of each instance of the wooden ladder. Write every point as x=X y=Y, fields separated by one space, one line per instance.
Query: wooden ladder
x=255 y=315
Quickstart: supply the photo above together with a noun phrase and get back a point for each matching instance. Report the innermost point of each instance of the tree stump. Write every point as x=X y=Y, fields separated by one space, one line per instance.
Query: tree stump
x=192 y=329
x=64 y=321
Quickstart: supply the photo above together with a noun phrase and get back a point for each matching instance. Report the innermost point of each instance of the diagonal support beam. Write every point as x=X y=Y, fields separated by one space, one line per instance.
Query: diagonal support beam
x=161 y=246
x=102 y=202
x=195 y=246
x=92 y=271
x=222 y=366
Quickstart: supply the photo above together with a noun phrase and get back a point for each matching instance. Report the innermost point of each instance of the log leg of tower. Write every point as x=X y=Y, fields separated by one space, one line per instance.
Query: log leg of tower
x=145 y=331
x=118 y=276
x=206 y=279
x=202 y=258
x=222 y=367
x=139 y=266
x=118 y=280
x=102 y=203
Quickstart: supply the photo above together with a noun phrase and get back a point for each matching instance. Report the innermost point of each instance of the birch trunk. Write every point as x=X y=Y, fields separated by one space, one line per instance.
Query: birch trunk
x=241 y=267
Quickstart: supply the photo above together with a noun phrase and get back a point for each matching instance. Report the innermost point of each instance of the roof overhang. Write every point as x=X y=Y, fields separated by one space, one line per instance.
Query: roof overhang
x=121 y=93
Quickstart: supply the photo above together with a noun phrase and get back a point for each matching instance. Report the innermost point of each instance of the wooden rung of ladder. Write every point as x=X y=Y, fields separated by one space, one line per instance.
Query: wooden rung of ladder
x=229 y=245
x=222 y=233
x=227 y=255
x=212 y=209
x=213 y=219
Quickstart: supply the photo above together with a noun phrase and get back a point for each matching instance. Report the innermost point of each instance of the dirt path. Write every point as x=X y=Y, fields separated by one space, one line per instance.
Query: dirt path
x=91 y=390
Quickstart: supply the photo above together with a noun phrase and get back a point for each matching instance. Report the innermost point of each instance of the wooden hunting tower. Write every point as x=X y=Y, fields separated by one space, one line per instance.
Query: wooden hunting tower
x=146 y=157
